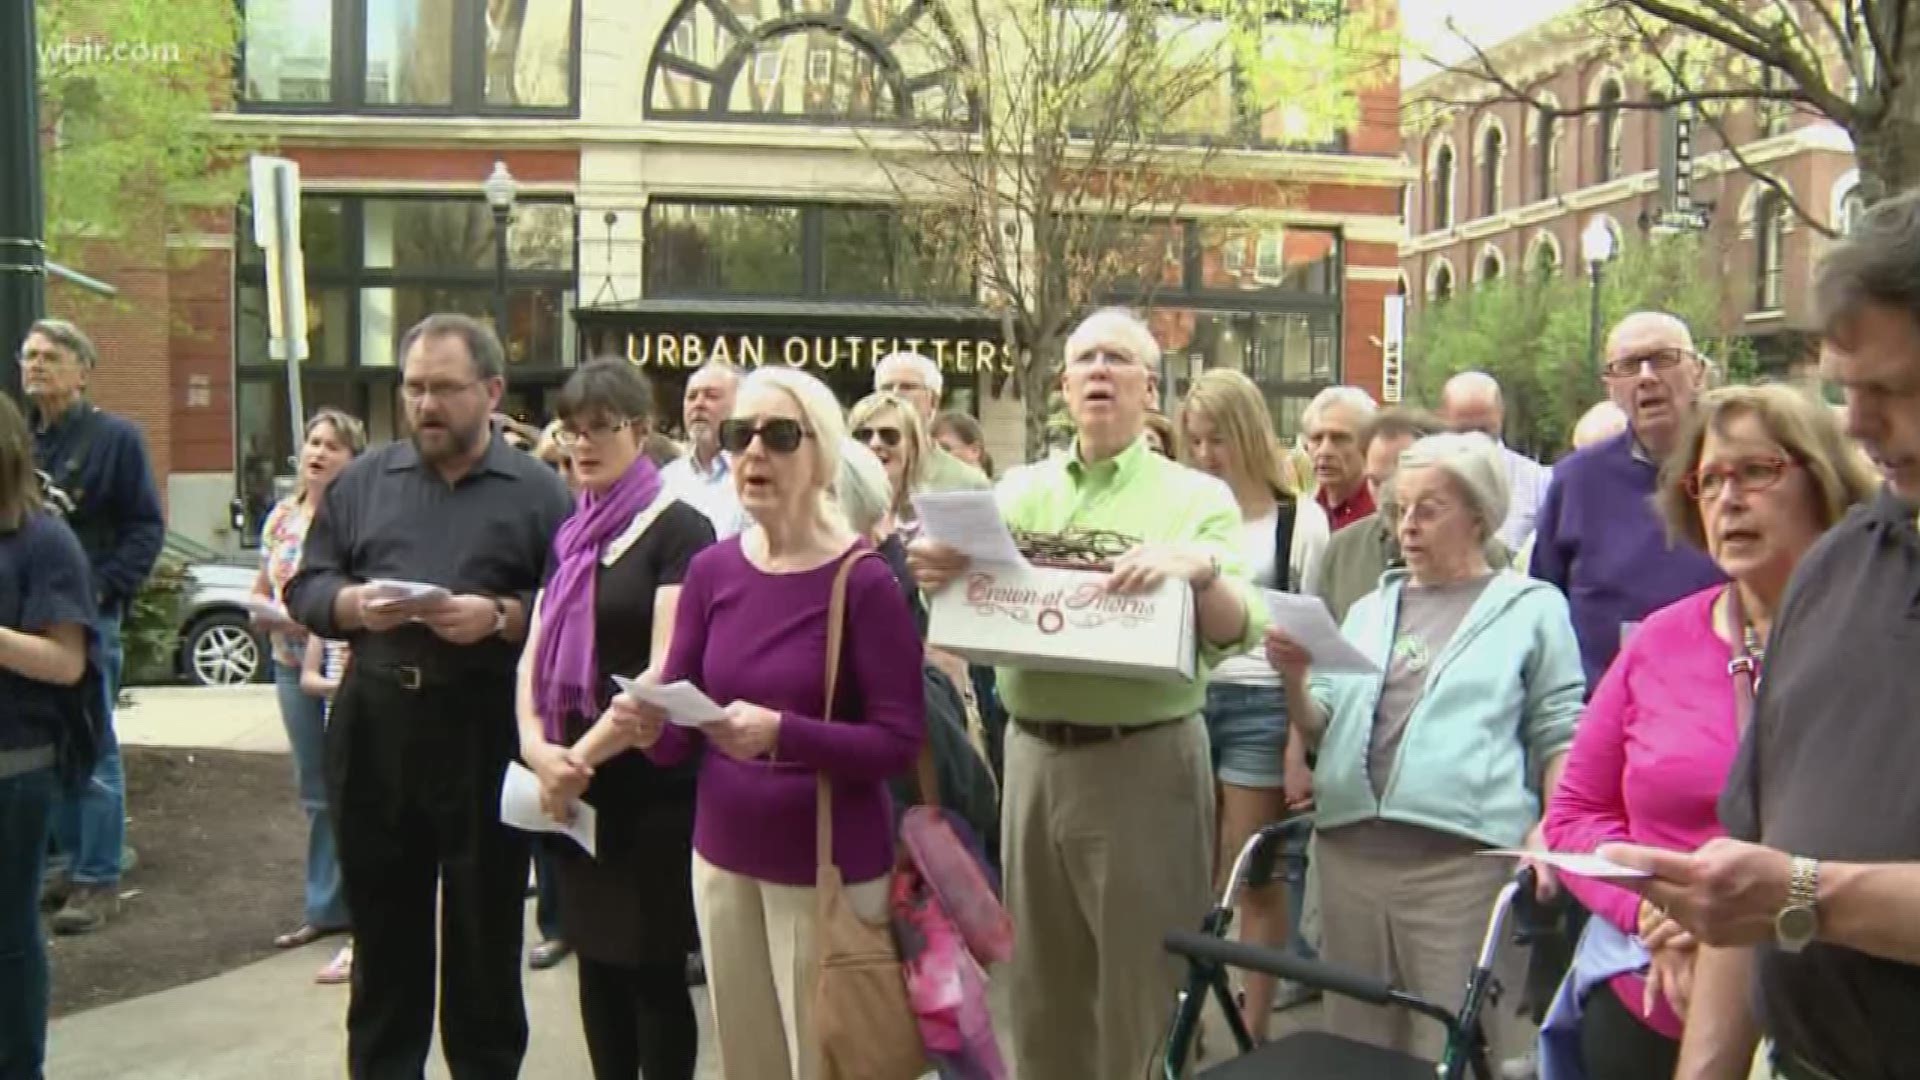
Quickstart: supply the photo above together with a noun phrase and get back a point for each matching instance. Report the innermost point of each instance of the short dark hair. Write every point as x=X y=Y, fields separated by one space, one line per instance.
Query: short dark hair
x=1878 y=263
x=609 y=388
x=483 y=346
x=1401 y=423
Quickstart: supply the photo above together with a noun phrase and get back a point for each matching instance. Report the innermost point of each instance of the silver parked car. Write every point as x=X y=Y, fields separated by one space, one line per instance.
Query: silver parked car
x=218 y=643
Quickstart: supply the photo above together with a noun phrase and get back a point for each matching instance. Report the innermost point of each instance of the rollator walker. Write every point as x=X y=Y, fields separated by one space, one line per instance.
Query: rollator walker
x=1316 y=1055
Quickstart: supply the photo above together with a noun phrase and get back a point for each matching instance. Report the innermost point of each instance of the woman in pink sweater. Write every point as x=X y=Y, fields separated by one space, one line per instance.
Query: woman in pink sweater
x=1760 y=474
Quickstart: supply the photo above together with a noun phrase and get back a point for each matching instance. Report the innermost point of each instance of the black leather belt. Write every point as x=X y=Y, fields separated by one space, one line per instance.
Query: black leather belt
x=1068 y=736
x=410 y=677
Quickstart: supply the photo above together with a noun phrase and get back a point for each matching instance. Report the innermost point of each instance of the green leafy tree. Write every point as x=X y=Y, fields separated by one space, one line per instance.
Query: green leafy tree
x=1531 y=331
x=1080 y=130
x=128 y=92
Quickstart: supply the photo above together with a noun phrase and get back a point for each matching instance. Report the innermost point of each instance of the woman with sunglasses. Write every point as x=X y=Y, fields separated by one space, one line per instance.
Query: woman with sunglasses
x=608 y=608
x=891 y=428
x=1755 y=478
x=751 y=632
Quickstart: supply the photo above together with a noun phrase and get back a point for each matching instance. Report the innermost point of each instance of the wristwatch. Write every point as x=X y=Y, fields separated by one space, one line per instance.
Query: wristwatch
x=1799 y=922
x=499 y=616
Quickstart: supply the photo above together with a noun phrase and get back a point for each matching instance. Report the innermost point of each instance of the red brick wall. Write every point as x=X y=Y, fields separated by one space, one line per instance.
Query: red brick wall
x=454 y=166
x=1363 y=320
x=200 y=383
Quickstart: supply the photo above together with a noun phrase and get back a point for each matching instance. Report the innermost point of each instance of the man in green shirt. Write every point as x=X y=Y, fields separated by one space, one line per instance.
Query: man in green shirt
x=916 y=379
x=1107 y=827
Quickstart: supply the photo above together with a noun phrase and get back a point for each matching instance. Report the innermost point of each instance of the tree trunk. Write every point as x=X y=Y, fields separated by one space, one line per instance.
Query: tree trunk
x=1887 y=148
x=1036 y=387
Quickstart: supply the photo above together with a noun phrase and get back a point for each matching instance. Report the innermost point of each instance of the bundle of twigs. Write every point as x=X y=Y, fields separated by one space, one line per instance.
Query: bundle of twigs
x=1074 y=549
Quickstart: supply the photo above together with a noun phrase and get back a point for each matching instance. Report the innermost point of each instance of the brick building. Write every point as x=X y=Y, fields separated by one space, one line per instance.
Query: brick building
x=689 y=183
x=1504 y=188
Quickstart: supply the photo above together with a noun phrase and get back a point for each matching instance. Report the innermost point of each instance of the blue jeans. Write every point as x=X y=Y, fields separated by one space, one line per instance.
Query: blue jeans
x=90 y=826
x=26 y=805
x=306 y=720
x=546 y=904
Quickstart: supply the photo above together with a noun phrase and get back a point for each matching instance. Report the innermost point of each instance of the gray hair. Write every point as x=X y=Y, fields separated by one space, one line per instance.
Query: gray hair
x=69 y=337
x=1472 y=383
x=483 y=346
x=1352 y=397
x=1119 y=328
x=929 y=371
x=1878 y=263
x=862 y=489
x=1473 y=460
x=720 y=367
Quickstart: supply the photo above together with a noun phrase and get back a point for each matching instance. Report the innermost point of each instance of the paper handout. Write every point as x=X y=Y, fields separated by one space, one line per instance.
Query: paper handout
x=387 y=592
x=970 y=522
x=520 y=808
x=1306 y=620
x=683 y=702
x=1586 y=866
x=261 y=607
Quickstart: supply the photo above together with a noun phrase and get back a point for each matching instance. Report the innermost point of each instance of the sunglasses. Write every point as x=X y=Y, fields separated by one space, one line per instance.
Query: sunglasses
x=780 y=435
x=889 y=436
x=1628 y=367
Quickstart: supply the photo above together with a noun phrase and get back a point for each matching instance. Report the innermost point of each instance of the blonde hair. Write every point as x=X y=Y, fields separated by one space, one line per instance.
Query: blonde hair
x=913 y=437
x=1238 y=411
x=345 y=428
x=1804 y=427
x=820 y=414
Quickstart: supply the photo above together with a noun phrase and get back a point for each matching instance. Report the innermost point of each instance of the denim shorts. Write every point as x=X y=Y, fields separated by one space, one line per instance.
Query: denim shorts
x=1247 y=727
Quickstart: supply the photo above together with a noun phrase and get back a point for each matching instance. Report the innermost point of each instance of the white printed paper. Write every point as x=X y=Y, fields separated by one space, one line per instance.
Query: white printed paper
x=520 y=808
x=388 y=592
x=684 y=703
x=969 y=522
x=265 y=609
x=1586 y=866
x=1307 y=621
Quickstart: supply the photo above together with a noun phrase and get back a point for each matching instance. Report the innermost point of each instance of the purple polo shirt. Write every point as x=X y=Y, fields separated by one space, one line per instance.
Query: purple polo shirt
x=1601 y=543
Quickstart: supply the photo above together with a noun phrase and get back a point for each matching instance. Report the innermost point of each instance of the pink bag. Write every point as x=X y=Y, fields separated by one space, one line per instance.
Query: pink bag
x=955 y=875
x=945 y=984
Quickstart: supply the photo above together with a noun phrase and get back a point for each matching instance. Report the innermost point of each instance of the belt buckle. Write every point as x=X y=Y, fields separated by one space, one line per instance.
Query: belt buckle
x=408 y=676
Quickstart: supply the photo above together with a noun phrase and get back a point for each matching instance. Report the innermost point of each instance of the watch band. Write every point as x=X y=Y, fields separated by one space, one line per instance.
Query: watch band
x=1803 y=885
x=499 y=616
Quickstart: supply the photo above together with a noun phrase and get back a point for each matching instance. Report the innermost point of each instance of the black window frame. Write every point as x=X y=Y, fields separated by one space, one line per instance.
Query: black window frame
x=1769 y=253
x=1440 y=190
x=348 y=68
x=1546 y=174
x=1607 y=149
x=1493 y=151
x=812 y=253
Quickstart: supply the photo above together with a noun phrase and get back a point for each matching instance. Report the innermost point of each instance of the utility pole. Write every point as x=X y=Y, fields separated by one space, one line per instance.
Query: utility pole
x=23 y=250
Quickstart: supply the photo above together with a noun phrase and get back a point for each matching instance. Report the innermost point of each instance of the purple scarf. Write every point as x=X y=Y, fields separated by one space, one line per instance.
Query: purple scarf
x=566 y=670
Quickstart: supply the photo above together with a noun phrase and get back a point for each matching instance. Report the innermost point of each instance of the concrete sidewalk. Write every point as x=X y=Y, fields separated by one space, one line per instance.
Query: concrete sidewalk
x=205 y=717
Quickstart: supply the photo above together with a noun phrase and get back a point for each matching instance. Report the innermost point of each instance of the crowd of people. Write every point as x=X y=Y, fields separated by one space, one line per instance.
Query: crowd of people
x=1679 y=646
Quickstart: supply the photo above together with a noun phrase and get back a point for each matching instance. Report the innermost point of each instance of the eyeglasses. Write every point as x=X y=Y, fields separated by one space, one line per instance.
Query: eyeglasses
x=1749 y=476
x=1112 y=357
x=1660 y=360
x=415 y=393
x=1426 y=511
x=889 y=436
x=903 y=388
x=780 y=435
x=600 y=431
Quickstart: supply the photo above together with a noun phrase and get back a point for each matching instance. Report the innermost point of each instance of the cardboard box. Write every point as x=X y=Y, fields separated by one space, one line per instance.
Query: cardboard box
x=1056 y=619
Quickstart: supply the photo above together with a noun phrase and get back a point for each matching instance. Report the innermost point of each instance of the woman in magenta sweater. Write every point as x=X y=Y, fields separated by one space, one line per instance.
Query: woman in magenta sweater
x=1757 y=477
x=751 y=632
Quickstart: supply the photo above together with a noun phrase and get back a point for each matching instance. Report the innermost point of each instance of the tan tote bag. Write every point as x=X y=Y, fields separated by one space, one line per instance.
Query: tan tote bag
x=862 y=1018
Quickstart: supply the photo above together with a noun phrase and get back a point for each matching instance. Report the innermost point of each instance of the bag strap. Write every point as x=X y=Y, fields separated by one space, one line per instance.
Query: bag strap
x=836 y=633
x=1745 y=666
x=1287 y=509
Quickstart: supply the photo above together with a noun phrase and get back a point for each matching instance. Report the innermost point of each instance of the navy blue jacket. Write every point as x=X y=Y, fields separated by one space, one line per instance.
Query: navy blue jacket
x=100 y=461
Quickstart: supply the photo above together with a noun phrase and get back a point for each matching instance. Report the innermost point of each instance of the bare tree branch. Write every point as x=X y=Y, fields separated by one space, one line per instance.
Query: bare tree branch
x=1742 y=33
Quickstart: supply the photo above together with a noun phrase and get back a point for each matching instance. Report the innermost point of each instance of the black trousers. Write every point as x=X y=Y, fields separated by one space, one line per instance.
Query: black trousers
x=1615 y=1045
x=639 y=1021
x=414 y=779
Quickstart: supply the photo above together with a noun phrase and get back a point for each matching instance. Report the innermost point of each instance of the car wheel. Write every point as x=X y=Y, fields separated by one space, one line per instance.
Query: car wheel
x=221 y=650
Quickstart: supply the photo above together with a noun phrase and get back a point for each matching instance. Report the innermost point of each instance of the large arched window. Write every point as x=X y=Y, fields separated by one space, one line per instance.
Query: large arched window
x=1440 y=206
x=885 y=61
x=1546 y=149
x=1490 y=266
x=1493 y=167
x=1770 y=251
x=1606 y=144
x=1543 y=254
x=1440 y=281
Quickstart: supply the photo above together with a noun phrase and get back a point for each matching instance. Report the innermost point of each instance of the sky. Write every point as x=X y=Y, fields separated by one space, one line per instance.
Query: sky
x=1485 y=22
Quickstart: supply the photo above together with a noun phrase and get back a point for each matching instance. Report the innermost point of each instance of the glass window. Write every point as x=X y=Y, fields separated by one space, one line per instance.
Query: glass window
x=705 y=248
x=457 y=234
x=264 y=429
x=1271 y=257
x=409 y=52
x=811 y=72
x=872 y=254
x=1290 y=355
x=536 y=320
x=328 y=327
x=323 y=234
x=287 y=51
x=529 y=52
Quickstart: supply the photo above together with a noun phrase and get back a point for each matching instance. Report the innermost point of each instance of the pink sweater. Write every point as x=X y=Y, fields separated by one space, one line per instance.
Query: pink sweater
x=1652 y=753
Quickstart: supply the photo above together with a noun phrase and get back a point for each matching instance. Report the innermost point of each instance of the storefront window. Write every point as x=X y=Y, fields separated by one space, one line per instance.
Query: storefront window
x=1289 y=355
x=1269 y=257
x=872 y=253
x=723 y=249
x=536 y=321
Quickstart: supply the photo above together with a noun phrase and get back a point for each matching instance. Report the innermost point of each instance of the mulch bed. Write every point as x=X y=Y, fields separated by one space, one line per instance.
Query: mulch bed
x=221 y=841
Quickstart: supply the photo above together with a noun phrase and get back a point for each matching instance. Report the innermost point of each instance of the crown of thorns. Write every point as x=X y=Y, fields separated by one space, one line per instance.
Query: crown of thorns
x=1077 y=549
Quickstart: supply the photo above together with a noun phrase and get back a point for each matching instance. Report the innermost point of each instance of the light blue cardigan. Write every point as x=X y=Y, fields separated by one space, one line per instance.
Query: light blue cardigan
x=1501 y=701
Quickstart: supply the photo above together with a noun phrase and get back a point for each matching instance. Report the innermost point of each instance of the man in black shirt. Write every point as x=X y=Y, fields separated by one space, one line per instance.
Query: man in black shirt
x=423 y=724
x=1811 y=908
x=96 y=465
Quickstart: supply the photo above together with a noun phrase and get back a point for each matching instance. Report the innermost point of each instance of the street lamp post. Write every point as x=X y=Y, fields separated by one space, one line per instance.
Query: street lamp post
x=1596 y=246
x=500 y=189
x=23 y=253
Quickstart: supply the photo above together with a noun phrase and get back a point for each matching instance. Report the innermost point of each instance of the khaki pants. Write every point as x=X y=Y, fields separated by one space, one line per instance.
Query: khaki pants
x=1410 y=905
x=1107 y=847
x=757 y=939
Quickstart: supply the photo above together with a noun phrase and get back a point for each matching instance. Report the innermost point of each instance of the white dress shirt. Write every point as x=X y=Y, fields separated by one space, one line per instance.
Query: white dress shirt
x=709 y=491
x=1527 y=482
